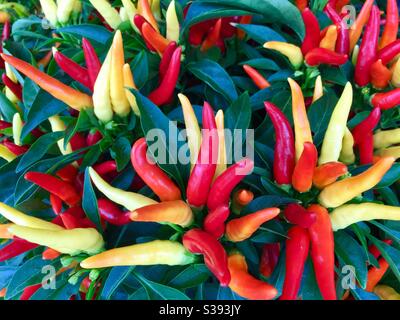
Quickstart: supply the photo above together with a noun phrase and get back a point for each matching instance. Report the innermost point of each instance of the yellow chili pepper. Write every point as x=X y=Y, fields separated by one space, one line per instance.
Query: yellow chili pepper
x=129 y=200
x=292 y=52
x=6 y=154
x=221 y=164
x=10 y=74
x=346 y=215
x=25 y=220
x=386 y=138
x=396 y=74
x=155 y=8
x=163 y=252
x=119 y=100
x=192 y=128
x=129 y=82
x=77 y=7
x=354 y=56
x=386 y=292
x=58 y=125
x=73 y=241
x=301 y=124
x=318 y=89
x=172 y=22
x=123 y=14
x=347 y=155
x=110 y=14
x=131 y=11
x=329 y=41
x=49 y=9
x=344 y=190
x=17 y=128
x=389 y=152
x=332 y=144
x=64 y=10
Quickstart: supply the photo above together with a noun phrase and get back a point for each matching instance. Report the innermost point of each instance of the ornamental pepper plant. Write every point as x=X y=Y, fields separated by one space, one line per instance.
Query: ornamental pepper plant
x=204 y=149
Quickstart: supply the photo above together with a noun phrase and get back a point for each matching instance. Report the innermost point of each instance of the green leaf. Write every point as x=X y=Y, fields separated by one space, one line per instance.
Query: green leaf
x=121 y=152
x=262 y=63
x=7 y=108
x=267 y=202
x=191 y=276
x=114 y=279
x=91 y=32
x=261 y=34
x=89 y=201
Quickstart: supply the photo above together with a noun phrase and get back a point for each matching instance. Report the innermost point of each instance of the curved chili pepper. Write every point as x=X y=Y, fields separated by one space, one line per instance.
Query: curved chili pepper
x=165 y=91
x=358 y=25
x=244 y=284
x=312 y=37
x=322 y=252
x=212 y=36
x=269 y=258
x=292 y=52
x=29 y=291
x=15 y=248
x=214 y=222
x=93 y=137
x=380 y=75
x=388 y=53
x=172 y=22
x=223 y=186
x=304 y=170
x=215 y=257
x=68 y=173
x=166 y=58
x=151 y=174
x=17 y=150
x=392 y=24
x=56 y=204
x=106 y=167
x=203 y=172
x=144 y=10
x=139 y=21
x=328 y=173
x=156 y=40
x=368 y=49
x=343 y=38
x=297 y=247
x=93 y=63
x=329 y=40
x=375 y=251
x=61 y=189
x=111 y=213
x=366 y=126
x=366 y=149
x=297 y=215
x=71 y=68
x=284 y=154
x=242 y=228
x=386 y=100
x=319 y=56
x=375 y=274
x=15 y=88
x=107 y=12
x=257 y=77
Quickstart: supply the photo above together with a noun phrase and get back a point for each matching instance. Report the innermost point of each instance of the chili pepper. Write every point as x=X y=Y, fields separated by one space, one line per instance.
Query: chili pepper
x=71 y=242
x=297 y=215
x=6 y=154
x=106 y=167
x=318 y=89
x=380 y=75
x=354 y=55
x=131 y=11
x=17 y=125
x=358 y=25
x=165 y=91
x=15 y=88
x=257 y=77
x=243 y=197
x=322 y=252
x=109 y=13
x=386 y=100
x=243 y=20
x=49 y=8
x=129 y=200
x=151 y=174
x=342 y=191
x=386 y=293
x=301 y=4
x=199 y=31
x=70 y=221
x=242 y=228
x=395 y=80
x=332 y=143
x=375 y=251
x=93 y=137
x=15 y=248
x=386 y=138
x=74 y=70
x=101 y=92
x=304 y=170
x=166 y=58
x=111 y=213
x=29 y=291
x=328 y=173
x=156 y=40
x=319 y=56
x=75 y=99
x=389 y=52
x=244 y=284
x=214 y=223
x=56 y=204
x=269 y=258
x=57 y=125
x=172 y=22
x=144 y=10
x=64 y=10
x=192 y=128
x=343 y=37
x=368 y=49
x=366 y=126
x=129 y=83
x=17 y=150
x=292 y=52
x=65 y=191
x=346 y=215
x=347 y=155
x=215 y=257
x=297 y=247
x=329 y=40
x=68 y=173
x=366 y=149
x=392 y=24
x=4 y=125
x=203 y=172
x=4 y=234
x=222 y=162
x=390 y=152
x=212 y=36
x=23 y=219
x=155 y=252
x=139 y=21
x=312 y=37
x=92 y=61
x=376 y=274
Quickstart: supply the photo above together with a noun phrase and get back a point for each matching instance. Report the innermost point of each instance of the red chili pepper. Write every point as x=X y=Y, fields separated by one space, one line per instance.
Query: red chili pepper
x=392 y=24
x=70 y=221
x=223 y=186
x=366 y=149
x=152 y=175
x=71 y=68
x=380 y=75
x=15 y=88
x=198 y=32
x=386 y=100
x=93 y=137
x=76 y=212
x=214 y=223
x=166 y=58
x=256 y=77
x=78 y=141
x=301 y=4
x=297 y=247
x=15 y=248
x=62 y=189
x=17 y=150
x=68 y=173
x=375 y=251
x=111 y=213
x=343 y=38
x=366 y=126
x=215 y=257
x=368 y=49
x=139 y=20
x=56 y=204
x=269 y=258
x=212 y=37
x=4 y=125
x=29 y=291
x=106 y=167
x=93 y=63
x=304 y=170
x=297 y=215
x=312 y=37
x=284 y=154
x=322 y=252
x=203 y=172
x=165 y=91
x=319 y=56
x=388 y=53
x=6 y=31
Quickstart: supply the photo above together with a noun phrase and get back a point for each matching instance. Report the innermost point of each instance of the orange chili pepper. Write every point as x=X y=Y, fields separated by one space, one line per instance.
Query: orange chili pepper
x=380 y=75
x=144 y=10
x=392 y=24
x=243 y=20
x=302 y=178
x=257 y=77
x=376 y=274
x=212 y=37
x=50 y=254
x=156 y=40
x=358 y=25
x=328 y=173
x=329 y=40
